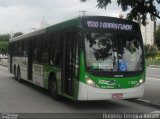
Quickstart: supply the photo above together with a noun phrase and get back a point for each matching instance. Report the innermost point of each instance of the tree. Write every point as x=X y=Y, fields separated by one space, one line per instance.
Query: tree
x=5 y=37
x=17 y=34
x=3 y=47
x=139 y=8
x=150 y=51
x=157 y=37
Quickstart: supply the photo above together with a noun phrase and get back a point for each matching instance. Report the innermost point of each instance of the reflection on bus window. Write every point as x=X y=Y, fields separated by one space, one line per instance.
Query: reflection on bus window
x=99 y=51
x=133 y=55
x=123 y=53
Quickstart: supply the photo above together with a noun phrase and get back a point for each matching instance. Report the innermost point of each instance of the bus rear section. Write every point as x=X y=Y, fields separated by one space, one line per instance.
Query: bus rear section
x=112 y=60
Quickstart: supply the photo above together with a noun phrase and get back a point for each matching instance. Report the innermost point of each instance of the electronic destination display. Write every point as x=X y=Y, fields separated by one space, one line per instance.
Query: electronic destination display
x=109 y=23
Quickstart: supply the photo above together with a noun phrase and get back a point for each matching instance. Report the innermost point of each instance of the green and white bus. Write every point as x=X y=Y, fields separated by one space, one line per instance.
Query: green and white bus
x=86 y=58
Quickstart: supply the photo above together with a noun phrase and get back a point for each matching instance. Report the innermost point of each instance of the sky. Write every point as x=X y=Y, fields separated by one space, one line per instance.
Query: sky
x=25 y=15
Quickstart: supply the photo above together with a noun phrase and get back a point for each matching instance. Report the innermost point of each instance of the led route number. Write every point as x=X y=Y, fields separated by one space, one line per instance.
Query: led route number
x=107 y=25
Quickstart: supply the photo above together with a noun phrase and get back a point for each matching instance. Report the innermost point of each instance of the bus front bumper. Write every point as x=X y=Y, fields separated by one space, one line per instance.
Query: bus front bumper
x=87 y=92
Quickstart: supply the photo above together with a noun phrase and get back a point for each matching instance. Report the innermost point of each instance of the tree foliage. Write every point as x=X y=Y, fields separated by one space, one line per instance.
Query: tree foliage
x=5 y=37
x=157 y=37
x=150 y=51
x=3 y=47
x=17 y=34
x=139 y=8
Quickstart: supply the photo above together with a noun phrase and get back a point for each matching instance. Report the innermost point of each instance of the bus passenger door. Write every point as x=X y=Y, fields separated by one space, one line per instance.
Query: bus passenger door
x=70 y=64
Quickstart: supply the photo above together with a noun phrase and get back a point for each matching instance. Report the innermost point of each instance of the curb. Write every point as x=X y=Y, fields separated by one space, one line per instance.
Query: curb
x=3 y=65
x=146 y=102
x=154 y=66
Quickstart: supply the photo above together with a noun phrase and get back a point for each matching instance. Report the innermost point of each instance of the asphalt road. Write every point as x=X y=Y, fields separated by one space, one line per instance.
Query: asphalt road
x=26 y=98
x=152 y=85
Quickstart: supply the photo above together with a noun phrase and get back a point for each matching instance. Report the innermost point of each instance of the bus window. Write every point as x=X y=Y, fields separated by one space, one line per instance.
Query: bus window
x=58 y=50
x=25 y=50
x=123 y=53
x=52 y=48
x=45 y=50
x=37 y=49
x=132 y=53
x=99 y=51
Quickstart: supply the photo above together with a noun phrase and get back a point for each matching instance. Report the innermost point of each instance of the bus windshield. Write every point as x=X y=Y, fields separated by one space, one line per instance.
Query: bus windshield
x=113 y=52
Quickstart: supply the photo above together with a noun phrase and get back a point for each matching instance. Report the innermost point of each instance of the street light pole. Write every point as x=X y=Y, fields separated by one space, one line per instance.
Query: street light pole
x=83 y=12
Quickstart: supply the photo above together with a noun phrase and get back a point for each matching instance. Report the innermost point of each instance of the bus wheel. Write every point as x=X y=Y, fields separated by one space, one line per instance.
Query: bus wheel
x=54 y=88
x=15 y=73
x=19 y=76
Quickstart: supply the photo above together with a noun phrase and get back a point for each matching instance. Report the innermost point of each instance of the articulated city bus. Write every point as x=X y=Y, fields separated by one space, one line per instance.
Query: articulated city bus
x=86 y=58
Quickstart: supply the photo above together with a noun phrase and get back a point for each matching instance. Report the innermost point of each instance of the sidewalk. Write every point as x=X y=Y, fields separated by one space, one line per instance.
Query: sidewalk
x=3 y=63
x=154 y=66
x=151 y=95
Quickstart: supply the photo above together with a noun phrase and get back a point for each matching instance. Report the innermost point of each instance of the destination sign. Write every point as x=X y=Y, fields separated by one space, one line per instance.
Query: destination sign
x=109 y=25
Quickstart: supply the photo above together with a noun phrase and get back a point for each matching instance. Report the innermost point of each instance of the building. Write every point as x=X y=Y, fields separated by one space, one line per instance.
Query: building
x=157 y=24
x=148 y=32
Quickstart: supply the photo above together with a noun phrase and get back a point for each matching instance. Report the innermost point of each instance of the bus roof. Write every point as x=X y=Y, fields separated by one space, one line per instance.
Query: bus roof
x=70 y=23
x=76 y=22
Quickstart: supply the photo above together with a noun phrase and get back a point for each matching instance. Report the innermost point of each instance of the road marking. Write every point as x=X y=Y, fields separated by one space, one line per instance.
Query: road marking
x=3 y=68
x=153 y=68
x=155 y=114
x=146 y=101
x=152 y=78
x=149 y=103
x=157 y=111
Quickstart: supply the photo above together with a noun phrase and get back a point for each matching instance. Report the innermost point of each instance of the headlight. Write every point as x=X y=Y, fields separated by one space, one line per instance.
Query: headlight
x=141 y=81
x=90 y=82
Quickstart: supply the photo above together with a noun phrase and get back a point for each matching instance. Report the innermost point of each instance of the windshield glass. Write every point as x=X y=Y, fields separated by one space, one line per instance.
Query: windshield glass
x=113 y=52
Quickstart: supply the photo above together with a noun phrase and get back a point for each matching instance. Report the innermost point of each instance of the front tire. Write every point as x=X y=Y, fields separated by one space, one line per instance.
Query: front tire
x=19 y=76
x=54 y=88
x=15 y=73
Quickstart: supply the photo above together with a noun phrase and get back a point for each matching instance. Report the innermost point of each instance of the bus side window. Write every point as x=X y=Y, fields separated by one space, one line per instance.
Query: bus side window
x=45 y=49
x=58 y=50
x=25 y=49
x=21 y=48
x=52 y=49
x=16 y=48
x=55 y=49
x=37 y=49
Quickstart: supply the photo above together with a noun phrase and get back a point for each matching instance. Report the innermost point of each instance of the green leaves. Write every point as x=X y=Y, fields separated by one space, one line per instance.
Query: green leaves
x=103 y=3
x=150 y=51
x=83 y=0
x=157 y=37
x=139 y=8
x=17 y=34
x=4 y=38
x=3 y=47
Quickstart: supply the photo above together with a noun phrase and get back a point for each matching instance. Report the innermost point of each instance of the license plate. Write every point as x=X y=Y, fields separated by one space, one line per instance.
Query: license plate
x=117 y=96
